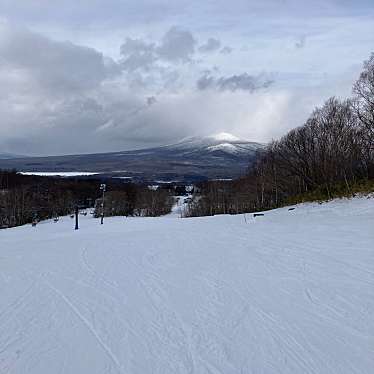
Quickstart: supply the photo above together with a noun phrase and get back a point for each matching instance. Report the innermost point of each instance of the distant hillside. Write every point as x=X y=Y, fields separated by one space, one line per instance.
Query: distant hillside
x=7 y=156
x=196 y=158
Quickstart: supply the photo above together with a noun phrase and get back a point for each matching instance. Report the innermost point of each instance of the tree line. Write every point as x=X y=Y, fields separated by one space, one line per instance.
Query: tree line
x=141 y=201
x=28 y=198
x=330 y=154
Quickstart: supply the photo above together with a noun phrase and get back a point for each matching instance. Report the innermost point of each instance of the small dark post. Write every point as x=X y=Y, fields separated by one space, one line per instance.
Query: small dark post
x=76 y=217
x=103 y=189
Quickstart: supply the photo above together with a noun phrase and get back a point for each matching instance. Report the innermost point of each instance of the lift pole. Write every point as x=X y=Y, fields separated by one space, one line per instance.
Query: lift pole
x=102 y=188
x=76 y=217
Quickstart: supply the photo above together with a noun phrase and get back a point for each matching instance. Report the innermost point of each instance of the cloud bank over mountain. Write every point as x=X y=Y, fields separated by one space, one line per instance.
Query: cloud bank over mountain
x=101 y=76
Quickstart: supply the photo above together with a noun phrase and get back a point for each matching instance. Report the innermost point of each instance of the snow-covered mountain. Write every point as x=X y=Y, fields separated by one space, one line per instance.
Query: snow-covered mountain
x=221 y=155
x=219 y=143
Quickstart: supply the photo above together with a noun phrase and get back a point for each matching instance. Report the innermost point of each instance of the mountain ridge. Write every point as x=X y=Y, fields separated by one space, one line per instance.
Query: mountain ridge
x=221 y=155
x=9 y=156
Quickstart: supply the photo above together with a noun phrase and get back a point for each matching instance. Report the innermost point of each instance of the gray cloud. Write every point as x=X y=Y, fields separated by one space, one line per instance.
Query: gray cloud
x=137 y=54
x=58 y=67
x=211 y=45
x=50 y=90
x=226 y=50
x=177 y=45
x=300 y=43
x=242 y=82
x=53 y=93
x=66 y=89
x=151 y=100
x=206 y=81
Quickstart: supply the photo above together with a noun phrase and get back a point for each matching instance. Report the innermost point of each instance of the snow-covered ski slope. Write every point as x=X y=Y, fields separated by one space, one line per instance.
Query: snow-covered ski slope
x=290 y=292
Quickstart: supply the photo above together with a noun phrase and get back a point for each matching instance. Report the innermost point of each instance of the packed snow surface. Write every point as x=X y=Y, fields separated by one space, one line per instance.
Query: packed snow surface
x=289 y=292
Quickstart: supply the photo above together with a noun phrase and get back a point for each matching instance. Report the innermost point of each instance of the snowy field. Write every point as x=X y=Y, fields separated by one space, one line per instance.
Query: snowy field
x=290 y=292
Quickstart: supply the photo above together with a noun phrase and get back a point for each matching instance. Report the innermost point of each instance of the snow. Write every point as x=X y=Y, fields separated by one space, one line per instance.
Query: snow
x=226 y=147
x=235 y=148
x=59 y=173
x=180 y=206
x=289 y=292
x=225 y=137
x=223 y=142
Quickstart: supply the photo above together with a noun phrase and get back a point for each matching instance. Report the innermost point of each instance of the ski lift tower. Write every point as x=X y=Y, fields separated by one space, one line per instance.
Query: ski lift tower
x=103 y=189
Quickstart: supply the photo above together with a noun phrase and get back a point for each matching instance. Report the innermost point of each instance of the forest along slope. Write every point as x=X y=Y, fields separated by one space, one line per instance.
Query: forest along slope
x=289 y=292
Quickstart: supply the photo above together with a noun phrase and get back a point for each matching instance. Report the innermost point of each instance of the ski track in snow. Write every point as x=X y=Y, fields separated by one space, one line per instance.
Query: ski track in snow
x=88 y=325
x=290 y=292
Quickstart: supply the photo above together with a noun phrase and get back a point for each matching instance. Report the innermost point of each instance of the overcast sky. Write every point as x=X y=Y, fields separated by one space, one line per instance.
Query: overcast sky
x=107 y=75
